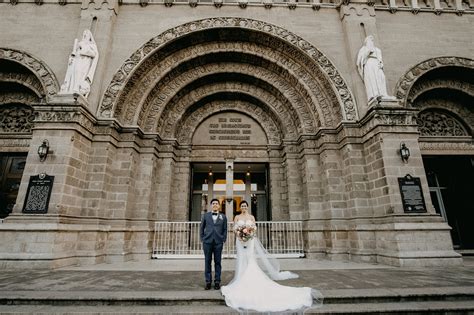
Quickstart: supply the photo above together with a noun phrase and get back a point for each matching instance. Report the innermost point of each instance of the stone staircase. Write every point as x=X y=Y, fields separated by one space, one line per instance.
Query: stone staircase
x=442 y=300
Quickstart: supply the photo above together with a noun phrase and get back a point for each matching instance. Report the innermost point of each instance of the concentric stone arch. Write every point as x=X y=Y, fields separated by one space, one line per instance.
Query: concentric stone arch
x=121 y=77
x=44 y=74
x=407 y=81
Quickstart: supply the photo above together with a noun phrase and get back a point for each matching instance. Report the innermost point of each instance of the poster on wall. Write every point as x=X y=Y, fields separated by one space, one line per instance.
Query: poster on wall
x=412 y=195
x=38 y=194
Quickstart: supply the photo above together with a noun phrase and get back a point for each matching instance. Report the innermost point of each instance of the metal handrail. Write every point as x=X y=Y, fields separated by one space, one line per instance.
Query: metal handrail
x=181 y=239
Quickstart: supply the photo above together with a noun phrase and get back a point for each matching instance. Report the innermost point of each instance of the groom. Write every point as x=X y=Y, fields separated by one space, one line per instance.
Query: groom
x=213 y=236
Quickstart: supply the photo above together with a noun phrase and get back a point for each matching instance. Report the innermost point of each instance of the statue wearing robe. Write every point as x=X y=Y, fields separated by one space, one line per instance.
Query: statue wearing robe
x=81 y=66
x=370 y=67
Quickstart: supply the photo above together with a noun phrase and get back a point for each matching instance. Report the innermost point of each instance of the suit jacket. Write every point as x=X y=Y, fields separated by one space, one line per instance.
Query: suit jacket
x=211 y=231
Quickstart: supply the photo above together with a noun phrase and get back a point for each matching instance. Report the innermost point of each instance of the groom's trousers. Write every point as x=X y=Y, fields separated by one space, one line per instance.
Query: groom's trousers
x=210 y=250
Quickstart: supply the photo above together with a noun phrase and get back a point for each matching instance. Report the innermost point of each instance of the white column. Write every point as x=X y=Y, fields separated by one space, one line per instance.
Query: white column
x=229 y=188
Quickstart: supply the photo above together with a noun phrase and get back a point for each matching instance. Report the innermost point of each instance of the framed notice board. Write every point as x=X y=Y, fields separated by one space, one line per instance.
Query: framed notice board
x=38 y=194
x=412 y=194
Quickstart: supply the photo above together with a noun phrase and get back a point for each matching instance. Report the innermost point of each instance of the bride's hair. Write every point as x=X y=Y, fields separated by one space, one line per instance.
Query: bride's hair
x=242 y=202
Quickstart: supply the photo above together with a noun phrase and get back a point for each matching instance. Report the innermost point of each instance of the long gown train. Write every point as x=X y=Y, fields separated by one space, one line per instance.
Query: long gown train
x=253 y=288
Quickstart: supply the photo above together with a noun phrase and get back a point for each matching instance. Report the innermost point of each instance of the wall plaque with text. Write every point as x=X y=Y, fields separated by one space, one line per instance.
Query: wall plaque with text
x=229 y=128
x=412 y=195
x=38 y=194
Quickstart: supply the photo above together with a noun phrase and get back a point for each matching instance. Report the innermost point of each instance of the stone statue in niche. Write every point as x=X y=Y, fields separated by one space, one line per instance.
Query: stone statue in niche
x=81 y=66
x=370 y=67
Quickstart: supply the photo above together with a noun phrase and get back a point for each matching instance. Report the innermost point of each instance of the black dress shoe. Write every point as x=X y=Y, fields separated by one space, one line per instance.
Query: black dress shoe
x=208 y=286
x=217 y=286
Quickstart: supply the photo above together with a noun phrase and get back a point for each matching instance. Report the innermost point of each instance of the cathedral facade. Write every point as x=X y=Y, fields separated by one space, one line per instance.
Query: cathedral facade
x=118 y=114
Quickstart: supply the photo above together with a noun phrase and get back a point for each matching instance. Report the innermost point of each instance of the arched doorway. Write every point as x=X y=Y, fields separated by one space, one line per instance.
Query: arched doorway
x=206 y=68
x=21 y=89
x=443 y=92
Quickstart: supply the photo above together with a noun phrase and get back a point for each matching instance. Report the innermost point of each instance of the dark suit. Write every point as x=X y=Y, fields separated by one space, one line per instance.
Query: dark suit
x=213 y=236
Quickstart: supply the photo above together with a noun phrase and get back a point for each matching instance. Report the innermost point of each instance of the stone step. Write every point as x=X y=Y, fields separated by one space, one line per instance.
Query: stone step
x=171 y=298
x=426 y=307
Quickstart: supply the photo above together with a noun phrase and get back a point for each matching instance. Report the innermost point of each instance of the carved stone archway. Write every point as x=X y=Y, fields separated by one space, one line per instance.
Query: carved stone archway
x=405 y=84
x=37 y=67
x=266 y=102
x=329 y=77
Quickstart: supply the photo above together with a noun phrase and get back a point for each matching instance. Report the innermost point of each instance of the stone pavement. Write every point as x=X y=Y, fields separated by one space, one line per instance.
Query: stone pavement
x=183 y=280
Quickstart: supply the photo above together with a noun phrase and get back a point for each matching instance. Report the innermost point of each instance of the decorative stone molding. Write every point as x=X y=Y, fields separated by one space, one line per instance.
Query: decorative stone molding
x=357 y=9
x=21 y=98
x=97 y=5
x=462 y=113
x=269 y=103
x=435 y=123
x=334 y=79
x=286 y=95
x=14 y=142
x=407 y=81
x=40 y=69
x=16 y=118
x=422 y=87
x=276 y=69
x=65 y=114
x=185 y=129
x=26 y=79
x=463 y=147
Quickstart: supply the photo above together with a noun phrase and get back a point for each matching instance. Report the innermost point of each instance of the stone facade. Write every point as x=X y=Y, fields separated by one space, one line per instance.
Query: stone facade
x=122 y=157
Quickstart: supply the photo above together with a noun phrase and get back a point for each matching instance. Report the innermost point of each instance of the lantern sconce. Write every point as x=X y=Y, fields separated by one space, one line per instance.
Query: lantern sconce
x=43 y=150
x=248 y=172
x=404 y=152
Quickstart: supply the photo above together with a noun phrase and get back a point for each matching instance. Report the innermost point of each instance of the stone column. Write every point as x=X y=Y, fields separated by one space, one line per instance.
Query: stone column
x=314 y=224
x=296 y=204
x=402 y=239
x=54 y=239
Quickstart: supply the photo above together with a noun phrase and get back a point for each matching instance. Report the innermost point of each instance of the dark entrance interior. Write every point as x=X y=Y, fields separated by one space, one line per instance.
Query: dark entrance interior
x=451 y=182
x=11 y=170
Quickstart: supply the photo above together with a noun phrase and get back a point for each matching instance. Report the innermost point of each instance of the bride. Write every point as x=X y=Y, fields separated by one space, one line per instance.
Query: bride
x=253 y=287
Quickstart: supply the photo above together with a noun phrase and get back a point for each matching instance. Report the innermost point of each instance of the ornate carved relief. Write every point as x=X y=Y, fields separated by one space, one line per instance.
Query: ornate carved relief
x=273 y=106
x=449 y=105
x=406 y=82
x=164 y=93
x=65 y=116
x=39 y=69
x=22 y=98
x=434 y=123
x=422 y=87
x=395 y=119
x=463 y=147
x=14 y=142
x=319 y=101
x=16 y=118
x=28 y=80
x=322 y=63
x=186 y=127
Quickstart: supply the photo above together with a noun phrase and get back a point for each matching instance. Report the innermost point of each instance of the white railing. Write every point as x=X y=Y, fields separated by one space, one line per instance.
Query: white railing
x=181 y=239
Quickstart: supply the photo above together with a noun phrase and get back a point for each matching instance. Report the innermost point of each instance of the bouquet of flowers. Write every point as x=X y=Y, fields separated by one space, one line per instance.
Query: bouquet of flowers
x=245 y=232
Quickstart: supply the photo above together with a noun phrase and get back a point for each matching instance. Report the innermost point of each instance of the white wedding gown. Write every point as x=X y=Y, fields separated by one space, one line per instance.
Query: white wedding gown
x=253 y=288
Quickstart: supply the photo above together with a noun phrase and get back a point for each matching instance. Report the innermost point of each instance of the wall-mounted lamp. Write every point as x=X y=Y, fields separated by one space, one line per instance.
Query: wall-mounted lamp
x=248 y=171
x=404 y=152
x=43 y=150
x=210 y=171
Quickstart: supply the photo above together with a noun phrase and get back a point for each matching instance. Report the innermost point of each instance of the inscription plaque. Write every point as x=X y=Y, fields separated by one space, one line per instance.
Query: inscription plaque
x=229 y=128
x=412 y=195
x=38 y=194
